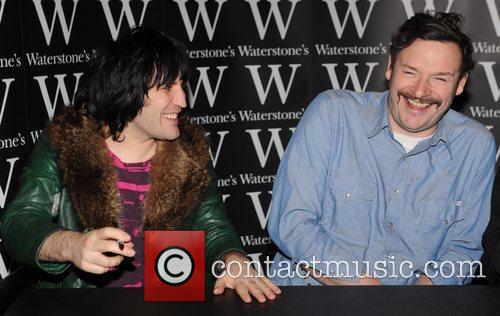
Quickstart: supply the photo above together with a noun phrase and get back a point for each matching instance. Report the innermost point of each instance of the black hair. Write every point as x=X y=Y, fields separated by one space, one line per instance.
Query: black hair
x=436 y=26
x=112 y=89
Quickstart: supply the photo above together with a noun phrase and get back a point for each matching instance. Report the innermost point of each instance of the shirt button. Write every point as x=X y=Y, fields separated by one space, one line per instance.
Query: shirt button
x=348 y=195
x=391 y=224
x=446 y=222
x=396 y=191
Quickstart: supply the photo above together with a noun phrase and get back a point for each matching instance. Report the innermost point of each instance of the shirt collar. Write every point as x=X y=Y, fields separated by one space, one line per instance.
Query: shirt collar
x=381 y=120
x=441 y=134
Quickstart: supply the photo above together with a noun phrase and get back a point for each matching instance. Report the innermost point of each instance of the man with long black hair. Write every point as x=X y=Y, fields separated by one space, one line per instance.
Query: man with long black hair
x=121 y=160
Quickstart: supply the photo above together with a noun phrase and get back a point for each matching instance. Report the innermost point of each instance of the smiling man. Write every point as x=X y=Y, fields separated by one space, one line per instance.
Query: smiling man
x=118 y=162
x=392 y=187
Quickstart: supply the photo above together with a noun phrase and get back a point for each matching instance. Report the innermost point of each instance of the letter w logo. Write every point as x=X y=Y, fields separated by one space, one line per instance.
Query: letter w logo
x=351 y=10
x=58 y=12
x=3 y=269
x=273 y=11
x=203 y=80
x=351 y=74
x=275 y=76
x=7 y=82
x=215 y=158
x=114 y=29
x=429 y=5
x=2 y=6
x=202 y=11
x=60 y=90
x=492 y=7
x=492 y=79
x=259 y=210
x=3 y=193
x=275 y=139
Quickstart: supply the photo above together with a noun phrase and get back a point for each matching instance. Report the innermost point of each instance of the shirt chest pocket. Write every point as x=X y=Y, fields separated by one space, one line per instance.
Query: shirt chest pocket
x=348 y=203
x=442 y=213
x=438 y=217
x=351 y=191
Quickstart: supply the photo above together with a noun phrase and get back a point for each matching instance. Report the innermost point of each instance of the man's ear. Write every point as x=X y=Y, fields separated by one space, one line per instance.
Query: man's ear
x=461 y=83
x=388 y=70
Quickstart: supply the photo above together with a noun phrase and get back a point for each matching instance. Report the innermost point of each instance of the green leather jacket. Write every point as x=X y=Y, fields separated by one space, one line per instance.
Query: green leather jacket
x=43 y=206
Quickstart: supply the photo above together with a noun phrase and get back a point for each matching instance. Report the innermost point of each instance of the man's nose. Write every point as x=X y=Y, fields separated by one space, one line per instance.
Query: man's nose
x=421 y=88
x=180 y=97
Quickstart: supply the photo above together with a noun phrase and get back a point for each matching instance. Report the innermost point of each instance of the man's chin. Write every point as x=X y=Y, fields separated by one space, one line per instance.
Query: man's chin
x=172 y=136
x=417 y=131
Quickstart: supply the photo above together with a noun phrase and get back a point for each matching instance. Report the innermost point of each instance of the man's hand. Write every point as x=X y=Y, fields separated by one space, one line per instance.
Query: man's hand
x=246 y=280
x=86 y=251
x=369 y=281
x=424 y=280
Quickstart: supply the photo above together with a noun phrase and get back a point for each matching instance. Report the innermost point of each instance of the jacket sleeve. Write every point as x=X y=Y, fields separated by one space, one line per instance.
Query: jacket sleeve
x=220 y=236
x=28 y=221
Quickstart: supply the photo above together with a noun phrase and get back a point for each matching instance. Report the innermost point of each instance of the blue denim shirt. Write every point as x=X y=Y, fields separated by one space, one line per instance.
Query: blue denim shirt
x=346 y=190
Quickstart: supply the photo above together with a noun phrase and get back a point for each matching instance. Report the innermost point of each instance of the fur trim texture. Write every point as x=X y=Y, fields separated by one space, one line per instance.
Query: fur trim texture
x=179 y=177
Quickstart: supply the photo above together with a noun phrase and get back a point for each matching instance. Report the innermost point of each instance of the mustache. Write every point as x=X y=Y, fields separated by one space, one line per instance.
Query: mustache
x=428 y=99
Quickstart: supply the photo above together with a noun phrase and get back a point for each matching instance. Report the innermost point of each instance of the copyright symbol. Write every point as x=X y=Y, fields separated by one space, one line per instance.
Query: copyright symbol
x=174 y=265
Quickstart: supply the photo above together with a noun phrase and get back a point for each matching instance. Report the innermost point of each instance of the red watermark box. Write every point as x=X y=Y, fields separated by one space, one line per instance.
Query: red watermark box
x=174 y=266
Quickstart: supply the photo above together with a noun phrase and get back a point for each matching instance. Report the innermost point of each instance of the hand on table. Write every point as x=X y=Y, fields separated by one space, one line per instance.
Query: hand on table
x=240 y=276
x=369 y=281
x=424 y=280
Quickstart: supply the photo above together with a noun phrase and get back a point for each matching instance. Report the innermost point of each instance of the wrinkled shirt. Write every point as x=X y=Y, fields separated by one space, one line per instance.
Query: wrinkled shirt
x=346 y=191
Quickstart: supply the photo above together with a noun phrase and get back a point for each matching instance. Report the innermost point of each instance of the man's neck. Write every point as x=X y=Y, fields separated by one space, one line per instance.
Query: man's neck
x=132 y=149
x=396 y=128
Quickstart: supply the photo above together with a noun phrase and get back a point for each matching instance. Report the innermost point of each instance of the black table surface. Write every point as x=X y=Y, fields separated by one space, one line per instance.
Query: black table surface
x=360 y=300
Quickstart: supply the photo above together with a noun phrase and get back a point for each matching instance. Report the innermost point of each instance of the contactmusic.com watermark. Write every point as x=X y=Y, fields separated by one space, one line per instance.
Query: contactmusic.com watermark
x=175 y=267
x=350 y=269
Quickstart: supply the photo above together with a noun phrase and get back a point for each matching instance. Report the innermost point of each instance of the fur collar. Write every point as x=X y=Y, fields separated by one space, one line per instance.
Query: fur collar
x=179 y=177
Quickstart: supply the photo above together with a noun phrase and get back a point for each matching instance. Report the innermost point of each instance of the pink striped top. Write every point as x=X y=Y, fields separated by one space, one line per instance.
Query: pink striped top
x=133 y=185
